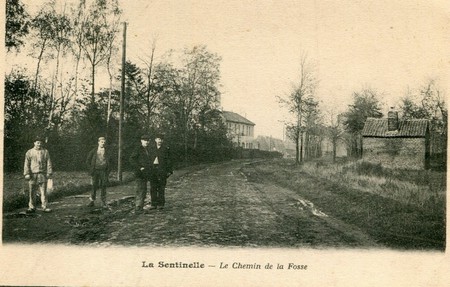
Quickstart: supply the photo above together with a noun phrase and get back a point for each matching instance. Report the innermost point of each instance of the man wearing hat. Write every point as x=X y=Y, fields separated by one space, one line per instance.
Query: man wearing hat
x=99 y=163
x=37 y=169
x=161 y=169
x=140 y=159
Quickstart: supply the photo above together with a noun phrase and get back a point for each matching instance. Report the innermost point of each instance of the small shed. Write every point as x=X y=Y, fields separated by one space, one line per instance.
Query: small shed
x=397 y=143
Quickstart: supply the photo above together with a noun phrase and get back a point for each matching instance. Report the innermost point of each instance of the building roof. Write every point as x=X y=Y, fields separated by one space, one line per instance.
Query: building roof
x=236 y=118
x=406 y=128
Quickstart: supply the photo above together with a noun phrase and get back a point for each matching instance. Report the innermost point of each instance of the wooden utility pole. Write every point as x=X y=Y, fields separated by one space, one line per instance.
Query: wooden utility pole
x=122 y=93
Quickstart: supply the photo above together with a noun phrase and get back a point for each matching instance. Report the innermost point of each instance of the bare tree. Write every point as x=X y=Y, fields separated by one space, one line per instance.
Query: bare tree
x=51 y=39
x=78 y=18
x=42 y=32
x=99 y=27
x=433 y=101
x=59 y=44
x=113 y=27
x=428 y=102
x=296 y=101
x=150 y=93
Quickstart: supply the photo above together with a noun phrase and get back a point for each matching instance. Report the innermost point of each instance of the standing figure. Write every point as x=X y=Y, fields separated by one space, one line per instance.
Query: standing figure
x=98 y=162
x=140 y=159
x=37 y=169
x=161 y=169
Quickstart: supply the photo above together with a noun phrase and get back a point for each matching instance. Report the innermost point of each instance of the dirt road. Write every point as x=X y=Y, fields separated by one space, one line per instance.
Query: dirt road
x=214 y=206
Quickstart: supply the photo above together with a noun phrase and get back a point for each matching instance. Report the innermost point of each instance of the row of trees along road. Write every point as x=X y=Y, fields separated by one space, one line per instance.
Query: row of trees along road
x=310 y=127
x=177 y=93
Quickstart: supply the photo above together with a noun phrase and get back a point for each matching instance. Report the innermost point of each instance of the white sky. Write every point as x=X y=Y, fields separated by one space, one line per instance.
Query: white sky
x=387 y=45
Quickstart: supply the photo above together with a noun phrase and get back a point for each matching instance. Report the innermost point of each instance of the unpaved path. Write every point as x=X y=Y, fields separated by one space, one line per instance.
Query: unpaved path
x=213 y=206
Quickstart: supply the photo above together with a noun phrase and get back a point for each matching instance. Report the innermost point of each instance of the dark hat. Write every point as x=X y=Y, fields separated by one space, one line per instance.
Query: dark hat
x=159 y=135
x=38 y=138
x=145 y=137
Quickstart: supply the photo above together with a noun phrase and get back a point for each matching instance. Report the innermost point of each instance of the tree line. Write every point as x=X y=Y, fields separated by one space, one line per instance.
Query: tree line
x=310 y=125
x=177 y=94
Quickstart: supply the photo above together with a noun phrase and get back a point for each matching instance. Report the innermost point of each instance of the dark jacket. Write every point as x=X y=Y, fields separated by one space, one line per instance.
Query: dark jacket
x=92 y=157
x=140 y=158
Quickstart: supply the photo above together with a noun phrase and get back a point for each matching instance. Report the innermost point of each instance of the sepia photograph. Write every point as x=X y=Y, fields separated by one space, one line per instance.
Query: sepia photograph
x=224 y=143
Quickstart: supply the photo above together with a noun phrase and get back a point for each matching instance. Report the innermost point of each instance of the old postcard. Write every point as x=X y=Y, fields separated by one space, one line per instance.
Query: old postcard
x=225 y=143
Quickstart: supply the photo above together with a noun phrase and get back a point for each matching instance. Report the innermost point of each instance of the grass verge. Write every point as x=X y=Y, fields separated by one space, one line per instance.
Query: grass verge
x=401 y=215
x=15 y=187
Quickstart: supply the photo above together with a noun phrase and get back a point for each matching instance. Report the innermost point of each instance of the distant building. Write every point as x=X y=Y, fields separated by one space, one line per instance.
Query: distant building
x=397 y=143
x=289 y=148
x=341 y=147
x=240 y=129
x=269 y=144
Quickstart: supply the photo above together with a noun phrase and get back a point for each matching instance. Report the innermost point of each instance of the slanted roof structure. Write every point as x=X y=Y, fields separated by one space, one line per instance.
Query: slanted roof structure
x=236 y=118
x=406 y=128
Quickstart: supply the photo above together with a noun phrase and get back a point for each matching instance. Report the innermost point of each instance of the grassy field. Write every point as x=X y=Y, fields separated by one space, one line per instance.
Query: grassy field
x=15 y=187
x=423 y=188
x=398 y=208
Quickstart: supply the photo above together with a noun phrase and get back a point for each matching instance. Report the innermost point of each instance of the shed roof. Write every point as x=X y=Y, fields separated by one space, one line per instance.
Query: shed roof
x=406 y=128
x=236 y=118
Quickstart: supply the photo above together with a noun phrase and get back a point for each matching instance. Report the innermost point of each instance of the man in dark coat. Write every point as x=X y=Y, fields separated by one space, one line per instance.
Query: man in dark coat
x=140 y=159
x=161 y=169
x=99 y=163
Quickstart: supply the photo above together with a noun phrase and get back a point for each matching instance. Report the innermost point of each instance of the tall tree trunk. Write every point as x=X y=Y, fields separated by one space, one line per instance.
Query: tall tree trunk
x=307 y=146
x=52 y=96
x=93 y=84
x=297 y=147
x=77 y=65
x=108 y=112
x=149 y=90
x=39 y=65
x=301 y=146
x=195 y=138
x=334 y=150
x=185 y=146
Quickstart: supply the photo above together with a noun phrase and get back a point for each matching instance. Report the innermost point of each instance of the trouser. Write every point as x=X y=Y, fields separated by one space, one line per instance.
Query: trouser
x=99 y=180
x=141 y=192
x=37 y=181
x=158 y=180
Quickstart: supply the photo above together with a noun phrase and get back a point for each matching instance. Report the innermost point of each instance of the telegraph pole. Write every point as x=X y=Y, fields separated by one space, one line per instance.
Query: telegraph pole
x=122 y=93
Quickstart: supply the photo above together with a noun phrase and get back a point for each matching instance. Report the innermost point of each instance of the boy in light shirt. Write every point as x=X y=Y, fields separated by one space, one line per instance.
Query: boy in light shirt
x=37 y=169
